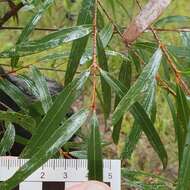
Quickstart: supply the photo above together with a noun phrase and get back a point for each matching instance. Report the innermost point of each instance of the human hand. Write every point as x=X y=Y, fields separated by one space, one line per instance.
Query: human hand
x=90 y=185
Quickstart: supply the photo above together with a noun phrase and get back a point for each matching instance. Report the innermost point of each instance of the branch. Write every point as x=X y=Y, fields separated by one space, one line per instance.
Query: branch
x=21 y=28
x=94 y=61
x=13 y=12
x=179 y=79
x=145 y=18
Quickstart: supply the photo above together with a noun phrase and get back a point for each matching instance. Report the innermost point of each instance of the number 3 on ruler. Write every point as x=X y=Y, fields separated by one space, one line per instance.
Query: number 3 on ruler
x=65 y=175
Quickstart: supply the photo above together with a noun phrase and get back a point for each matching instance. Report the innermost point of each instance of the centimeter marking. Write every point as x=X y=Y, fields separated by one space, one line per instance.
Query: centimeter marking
x=66 y=170
x=53 y=163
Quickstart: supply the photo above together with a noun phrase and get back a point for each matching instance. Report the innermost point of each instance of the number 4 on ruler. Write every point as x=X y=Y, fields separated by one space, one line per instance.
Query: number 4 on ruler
x=58 y=174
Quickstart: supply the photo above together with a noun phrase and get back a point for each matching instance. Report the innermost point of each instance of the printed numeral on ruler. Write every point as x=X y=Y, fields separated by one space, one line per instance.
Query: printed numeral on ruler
x=59 y=173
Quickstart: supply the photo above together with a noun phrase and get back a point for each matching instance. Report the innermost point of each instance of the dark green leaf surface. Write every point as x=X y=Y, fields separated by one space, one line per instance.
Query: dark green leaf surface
x=141 y=86
x=8 y=139
x=185 y=36
x=179 y=132
x=57 y=139
x=184 y=174
x=179 y=20
x=141 y=116
x=183 y=111
x=85 y=17
x=142 y=120
x=30 y=27
x=25 y=121
x=54 y=56
x=125 y=78
x=132 y=140
x=50 y=41
x=95 y=161
x=136 y=131
x=105 y=36
x=42 y=89
x=55 y=115
x=106 y=90
x=34 y=21
x=16 y=94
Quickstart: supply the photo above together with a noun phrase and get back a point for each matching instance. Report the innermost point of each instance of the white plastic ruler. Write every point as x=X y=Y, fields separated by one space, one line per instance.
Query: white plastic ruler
x=59 y=174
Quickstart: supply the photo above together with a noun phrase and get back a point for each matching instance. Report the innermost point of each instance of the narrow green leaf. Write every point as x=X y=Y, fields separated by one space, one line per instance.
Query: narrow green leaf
x=85 y=17
x=135 y=179
x=141 y=116
x=57 y=139
x=136 y=131
x=184 y=174
x=42 y=89
x=140 y=87
x=125 y=78
x=87 y=56
x=120 y=4
x=50 y=41
x=8 y=139
x=112 y=5
x=186 y=72
x=185 y=38
x=106 y=90
x=34 y=21
x=173 y=20
x=79 y=154
x=146 y=124
x=183 y=111
x=132 y=140
x=55 y=115
x=179 y=132
x=24 y=121
x=54 y=56
x=15 y=94
x=95 y=161
x=30 y=27
x=106 y=34
x=21 y=140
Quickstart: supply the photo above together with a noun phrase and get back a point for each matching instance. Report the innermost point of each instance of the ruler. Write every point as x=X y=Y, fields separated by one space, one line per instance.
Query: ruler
x=59 y=174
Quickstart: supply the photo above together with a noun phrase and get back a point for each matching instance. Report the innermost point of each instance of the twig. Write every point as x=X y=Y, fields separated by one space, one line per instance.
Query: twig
x=171 y=30
x=13 y=12
x=21 y=28
x=94 y=61
x=115 y=31
x=164 y=85
x=40 y=68
x=169 y=59
x=119 y=32
x=110 y=19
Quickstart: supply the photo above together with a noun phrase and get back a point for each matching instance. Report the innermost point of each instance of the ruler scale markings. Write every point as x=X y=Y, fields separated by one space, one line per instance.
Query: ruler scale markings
x=66 y=171
x=8 y=164
x=53 y=164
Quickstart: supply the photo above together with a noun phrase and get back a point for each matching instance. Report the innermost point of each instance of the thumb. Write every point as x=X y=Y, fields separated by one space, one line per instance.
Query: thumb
x=90 y=185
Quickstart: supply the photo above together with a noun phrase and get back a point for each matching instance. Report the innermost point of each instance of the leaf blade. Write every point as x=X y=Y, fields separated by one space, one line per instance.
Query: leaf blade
x=85 y=17
x=54 y=116
x=8 y=139
x=141 y=86
x=95 y=161
x=48 y=149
